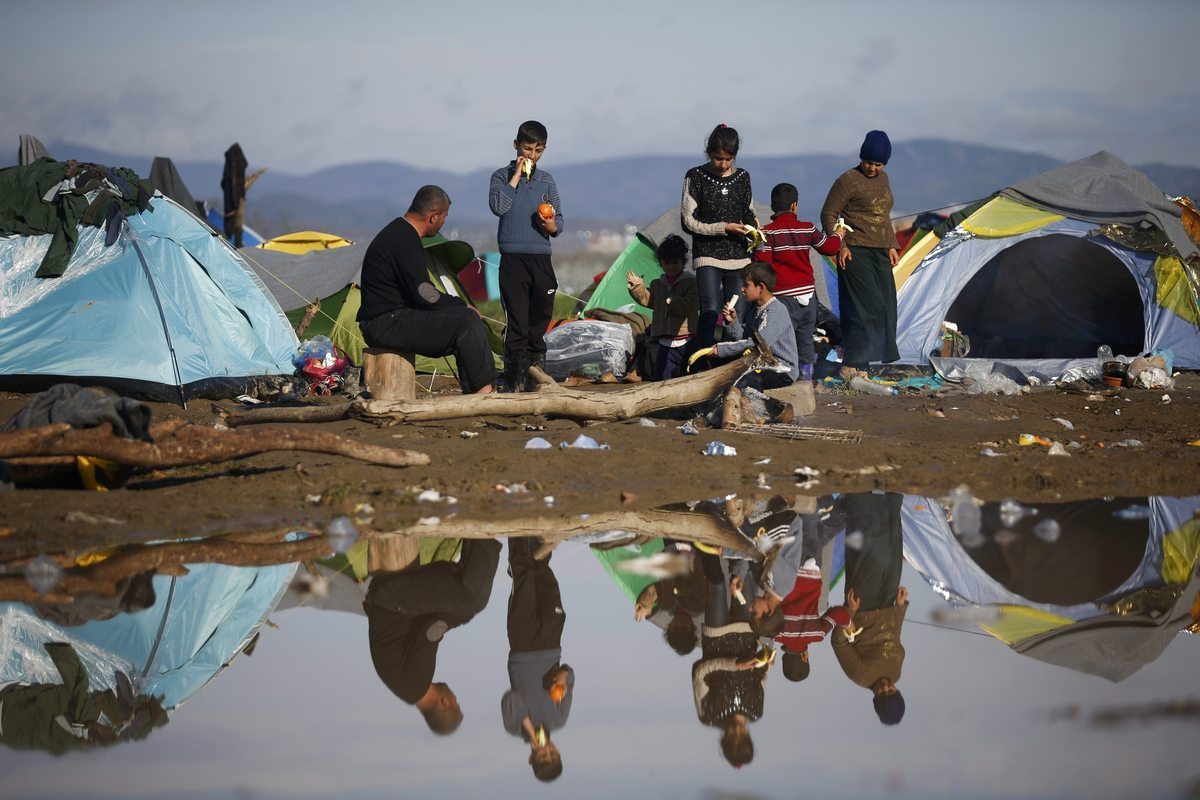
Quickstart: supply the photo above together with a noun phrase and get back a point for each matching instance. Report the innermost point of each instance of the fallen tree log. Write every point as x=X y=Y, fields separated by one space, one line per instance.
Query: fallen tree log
x=172 y=558
x=633 y=401
x=191 y=444
x=322 y=412
x=690 y=526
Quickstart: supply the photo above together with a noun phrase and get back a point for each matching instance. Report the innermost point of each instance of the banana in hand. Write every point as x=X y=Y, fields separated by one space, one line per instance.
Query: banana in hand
x=756 y=238
x=527 y=168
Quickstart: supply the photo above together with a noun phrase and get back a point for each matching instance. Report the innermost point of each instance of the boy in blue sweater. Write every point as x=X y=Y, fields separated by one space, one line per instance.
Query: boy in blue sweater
x=525 y=198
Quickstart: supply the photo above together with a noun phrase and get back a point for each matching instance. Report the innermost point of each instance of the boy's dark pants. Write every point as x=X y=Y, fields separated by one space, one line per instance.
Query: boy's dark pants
x=535 y=615
x=527 y=287
x=804 y=320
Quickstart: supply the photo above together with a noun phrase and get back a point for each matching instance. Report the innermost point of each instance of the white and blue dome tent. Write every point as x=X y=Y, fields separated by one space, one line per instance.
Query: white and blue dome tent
x=1039 y=277
x=167 y=311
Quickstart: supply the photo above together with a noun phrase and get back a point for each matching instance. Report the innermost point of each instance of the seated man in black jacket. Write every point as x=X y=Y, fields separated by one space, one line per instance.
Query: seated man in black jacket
x=403 y=310
x=409 y=612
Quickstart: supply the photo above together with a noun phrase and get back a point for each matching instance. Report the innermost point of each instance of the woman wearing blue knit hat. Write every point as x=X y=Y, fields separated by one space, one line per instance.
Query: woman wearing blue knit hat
x=859 y=207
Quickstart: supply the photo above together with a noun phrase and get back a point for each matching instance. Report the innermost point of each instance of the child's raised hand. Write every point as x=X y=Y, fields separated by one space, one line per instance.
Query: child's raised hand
x=852 y=601
x=632 y=279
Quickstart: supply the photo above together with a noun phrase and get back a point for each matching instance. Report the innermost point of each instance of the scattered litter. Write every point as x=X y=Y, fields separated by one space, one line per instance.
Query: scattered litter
x=1057 y=449
x=511 y=488
x=431 y=521
x=689 y=429
x=647 y=423
x=529 y=426
x=1117 y=412
x=1128 y=443
x=468 y=434
x=584 y=442
x=718 y=448
x=868 y=386
x=987 y=451
x=934 y=411
x=248 y=400
x=1194 y=443
x=1074 y=445
x=313 y=499
x=1133 y=512
x=657 y=566
x=341 y=534
x=1166 y=398
x=1027 y=439
x=1047 y=530
x=1066 y=423
x=307 y=584
x=43 y=573
x=807 y=472
x=429 y=496
x=964 y=508
x=538 y=443
x=1012 y=512
x=548 y=499
x=628 y=497
x=84 y=518
x=762 y=462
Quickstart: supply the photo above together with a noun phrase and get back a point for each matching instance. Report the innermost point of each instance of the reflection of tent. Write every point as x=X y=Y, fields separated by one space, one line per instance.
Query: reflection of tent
x=1053 y=268
x=197 y=625
x=1086 y=635
x=167 y=312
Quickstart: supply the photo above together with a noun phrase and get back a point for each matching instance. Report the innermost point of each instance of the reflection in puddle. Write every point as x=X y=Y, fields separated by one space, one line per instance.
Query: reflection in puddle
x=784 y=617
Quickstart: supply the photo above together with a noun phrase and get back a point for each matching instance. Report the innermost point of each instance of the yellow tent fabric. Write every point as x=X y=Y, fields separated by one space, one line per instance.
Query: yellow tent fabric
x=1181 y=550
x=1018 y=623
x=304 y=241
x=912 y=257
x=1004 y=217
x=1174 y=291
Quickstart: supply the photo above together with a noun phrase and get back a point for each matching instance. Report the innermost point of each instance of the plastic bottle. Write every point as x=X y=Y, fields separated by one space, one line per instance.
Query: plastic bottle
x=1104 y=353
x=967 y=518
x=871 y=387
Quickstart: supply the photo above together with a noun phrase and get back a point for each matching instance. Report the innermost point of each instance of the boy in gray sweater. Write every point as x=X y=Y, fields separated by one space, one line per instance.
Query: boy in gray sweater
x=770 y=319
x=525 y=198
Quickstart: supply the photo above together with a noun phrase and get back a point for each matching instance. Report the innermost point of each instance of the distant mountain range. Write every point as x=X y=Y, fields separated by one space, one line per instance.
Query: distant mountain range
x=356 y=200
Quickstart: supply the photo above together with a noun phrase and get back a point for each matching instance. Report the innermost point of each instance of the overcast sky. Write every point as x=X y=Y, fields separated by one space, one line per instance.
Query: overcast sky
x=304 y=85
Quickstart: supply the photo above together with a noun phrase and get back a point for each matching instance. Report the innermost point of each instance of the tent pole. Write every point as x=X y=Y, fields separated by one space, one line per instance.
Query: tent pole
x=161 y=315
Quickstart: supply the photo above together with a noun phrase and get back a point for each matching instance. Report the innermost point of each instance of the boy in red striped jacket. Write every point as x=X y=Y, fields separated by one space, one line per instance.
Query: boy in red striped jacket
x=794 y=621
x=786 y=248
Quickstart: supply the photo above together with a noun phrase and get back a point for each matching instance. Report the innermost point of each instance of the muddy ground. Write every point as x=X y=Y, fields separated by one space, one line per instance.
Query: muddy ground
x=926 y=444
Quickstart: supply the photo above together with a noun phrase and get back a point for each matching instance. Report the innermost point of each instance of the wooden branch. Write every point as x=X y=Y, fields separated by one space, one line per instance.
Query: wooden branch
x=310 y=313
x=544 y=381
x=169 y=559
x=625 y=403
x=689 y=526
x=193 y=444
x=323 y=412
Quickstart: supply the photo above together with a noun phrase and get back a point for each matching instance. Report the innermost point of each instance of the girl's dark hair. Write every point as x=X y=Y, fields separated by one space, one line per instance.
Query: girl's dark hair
x=672 y=248
x=723 y=139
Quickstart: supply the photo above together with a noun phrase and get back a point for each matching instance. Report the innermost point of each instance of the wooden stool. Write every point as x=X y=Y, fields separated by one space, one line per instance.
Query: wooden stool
x=389 y=374
x=799 y=395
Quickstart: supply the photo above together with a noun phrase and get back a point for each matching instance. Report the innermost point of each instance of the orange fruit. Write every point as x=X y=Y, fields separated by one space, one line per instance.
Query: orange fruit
x=546 y=210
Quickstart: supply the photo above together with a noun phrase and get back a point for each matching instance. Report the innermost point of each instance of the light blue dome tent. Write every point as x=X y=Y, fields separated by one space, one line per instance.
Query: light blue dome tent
x=197 y=624
x=168 y=312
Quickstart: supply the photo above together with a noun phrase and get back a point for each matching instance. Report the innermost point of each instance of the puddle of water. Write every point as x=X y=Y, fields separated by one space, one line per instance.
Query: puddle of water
x=1031 y=659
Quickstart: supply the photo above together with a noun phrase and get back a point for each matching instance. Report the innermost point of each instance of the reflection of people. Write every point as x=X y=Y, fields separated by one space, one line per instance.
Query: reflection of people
x=786 y=248
x=72 y=715
x=403 y=310
x=716 y=208
x=409 y=612
x=870 y=651
x=674 y=300
x=675 y=604
x=727 y=682
x=862 y=197
x=539 y=700
x=527 y=283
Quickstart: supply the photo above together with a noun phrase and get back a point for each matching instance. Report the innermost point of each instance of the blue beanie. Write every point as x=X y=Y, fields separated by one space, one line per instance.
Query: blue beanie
x=889 y=708
x=876 y=147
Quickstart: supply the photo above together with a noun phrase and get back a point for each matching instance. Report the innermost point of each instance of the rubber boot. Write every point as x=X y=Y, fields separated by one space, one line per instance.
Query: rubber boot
x=514 y=371
x=538 y=361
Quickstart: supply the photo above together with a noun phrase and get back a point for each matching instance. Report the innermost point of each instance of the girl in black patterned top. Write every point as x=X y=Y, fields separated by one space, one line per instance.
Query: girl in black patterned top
x=716 y=210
